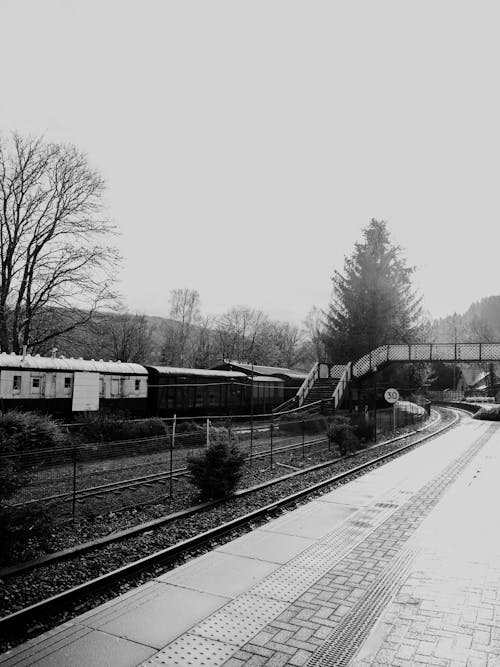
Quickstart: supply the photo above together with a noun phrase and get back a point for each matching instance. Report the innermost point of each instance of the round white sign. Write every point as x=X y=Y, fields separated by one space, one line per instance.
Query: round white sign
x=391 y=395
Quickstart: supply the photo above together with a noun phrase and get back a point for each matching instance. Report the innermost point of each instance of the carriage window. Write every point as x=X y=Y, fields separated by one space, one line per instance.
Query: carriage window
x=35 y=385
x=67 y=383
x=16 y=383
x=101 y=387
x=115 y=387
x=137 y=385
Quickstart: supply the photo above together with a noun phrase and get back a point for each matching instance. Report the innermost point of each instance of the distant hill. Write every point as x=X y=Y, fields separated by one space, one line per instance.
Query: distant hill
x=479 y=323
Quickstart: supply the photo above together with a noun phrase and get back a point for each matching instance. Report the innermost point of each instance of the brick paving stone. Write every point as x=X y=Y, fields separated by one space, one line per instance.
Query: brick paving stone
x=281 y=648
x=259 y=650
x=306 y=646
x=300 y=658
x=282 y=636
x=303 y=634
x=278 y=660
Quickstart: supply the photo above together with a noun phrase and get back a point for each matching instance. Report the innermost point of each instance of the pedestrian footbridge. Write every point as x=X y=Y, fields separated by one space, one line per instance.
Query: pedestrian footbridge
x=331 y=381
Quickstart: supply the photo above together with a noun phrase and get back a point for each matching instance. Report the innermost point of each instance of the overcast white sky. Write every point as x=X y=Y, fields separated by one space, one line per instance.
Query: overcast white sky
x=246 y=144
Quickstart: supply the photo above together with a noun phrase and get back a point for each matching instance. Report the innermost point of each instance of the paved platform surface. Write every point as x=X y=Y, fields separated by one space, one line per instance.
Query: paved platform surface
x=399 y=567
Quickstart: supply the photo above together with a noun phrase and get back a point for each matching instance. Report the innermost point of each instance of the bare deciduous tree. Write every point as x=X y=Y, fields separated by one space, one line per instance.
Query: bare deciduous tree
x=314 y=326
x=54 y=272
x=287 y=341
x=185 y=309
x=238 y=333
x=128 y=337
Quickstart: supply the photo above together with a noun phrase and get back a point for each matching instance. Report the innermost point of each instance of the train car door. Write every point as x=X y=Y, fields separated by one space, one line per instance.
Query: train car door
x=85 y=392
x=50 y=385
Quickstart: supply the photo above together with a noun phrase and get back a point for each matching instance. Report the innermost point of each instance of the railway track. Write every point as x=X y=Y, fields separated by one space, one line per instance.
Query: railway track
x=154 y=478
x=21 y=621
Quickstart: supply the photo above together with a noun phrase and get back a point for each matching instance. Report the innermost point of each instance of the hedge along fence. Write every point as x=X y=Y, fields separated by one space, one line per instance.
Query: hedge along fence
x=106 y=427
x=29 y=430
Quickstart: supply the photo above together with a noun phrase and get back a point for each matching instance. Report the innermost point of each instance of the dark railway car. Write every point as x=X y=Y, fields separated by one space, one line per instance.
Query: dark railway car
x=193 y=391
x=292 y=379
x=61 y=386
x=268 y=392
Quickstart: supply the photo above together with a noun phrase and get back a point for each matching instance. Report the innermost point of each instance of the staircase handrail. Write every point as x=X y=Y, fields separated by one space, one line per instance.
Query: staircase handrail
x=342 y=384
x=305 y=387
x=286 y=405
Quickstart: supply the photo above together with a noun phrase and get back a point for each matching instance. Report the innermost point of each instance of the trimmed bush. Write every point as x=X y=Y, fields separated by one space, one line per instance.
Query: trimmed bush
x=29 y=430
x=217 y=471
x=341 y=434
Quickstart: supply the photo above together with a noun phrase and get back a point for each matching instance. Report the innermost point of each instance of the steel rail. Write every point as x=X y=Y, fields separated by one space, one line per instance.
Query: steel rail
x=22 y=618
x=152 y=478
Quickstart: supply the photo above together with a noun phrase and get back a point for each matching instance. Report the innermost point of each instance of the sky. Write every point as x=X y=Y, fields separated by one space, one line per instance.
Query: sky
x=245 y=145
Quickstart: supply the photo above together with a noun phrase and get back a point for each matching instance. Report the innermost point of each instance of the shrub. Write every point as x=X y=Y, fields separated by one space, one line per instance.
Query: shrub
x=29 y=430
x=10 y=479
x=107 y=427
x=341 y=434
x=217 y=471
x=488 y=414
x=24 y=532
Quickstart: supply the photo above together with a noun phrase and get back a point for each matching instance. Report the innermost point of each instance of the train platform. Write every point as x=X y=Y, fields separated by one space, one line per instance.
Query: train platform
x=399 y=567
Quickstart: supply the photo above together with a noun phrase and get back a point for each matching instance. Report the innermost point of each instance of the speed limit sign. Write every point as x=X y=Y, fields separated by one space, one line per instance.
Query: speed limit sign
x=391 y=395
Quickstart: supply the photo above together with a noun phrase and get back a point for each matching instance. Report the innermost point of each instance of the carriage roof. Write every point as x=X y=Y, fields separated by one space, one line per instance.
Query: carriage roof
x=63 y=364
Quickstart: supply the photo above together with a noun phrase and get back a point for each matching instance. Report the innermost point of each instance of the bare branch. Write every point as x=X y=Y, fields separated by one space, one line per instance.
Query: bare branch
x=50 y=220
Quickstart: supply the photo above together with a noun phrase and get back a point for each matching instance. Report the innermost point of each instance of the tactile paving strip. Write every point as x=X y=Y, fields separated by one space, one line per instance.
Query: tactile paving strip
x=240 y=619
x=190 y=649
x=346 y=639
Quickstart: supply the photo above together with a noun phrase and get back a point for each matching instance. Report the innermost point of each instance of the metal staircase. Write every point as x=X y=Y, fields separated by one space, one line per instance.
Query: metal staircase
x=322 y=390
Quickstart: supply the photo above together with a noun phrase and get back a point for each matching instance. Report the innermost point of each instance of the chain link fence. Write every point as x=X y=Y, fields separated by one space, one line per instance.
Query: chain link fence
x=72 y=479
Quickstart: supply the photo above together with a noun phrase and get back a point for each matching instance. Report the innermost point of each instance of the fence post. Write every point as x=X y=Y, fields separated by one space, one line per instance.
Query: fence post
x=271 y=442
x=303 y=439
x=73 y=512
x=251 y=435
x=172 y=442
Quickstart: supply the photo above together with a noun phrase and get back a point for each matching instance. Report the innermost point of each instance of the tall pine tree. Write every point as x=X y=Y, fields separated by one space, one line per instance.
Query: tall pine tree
x=373 y=301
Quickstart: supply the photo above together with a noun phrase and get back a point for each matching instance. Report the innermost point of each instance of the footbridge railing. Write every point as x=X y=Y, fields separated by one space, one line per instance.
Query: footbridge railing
x=457 y=352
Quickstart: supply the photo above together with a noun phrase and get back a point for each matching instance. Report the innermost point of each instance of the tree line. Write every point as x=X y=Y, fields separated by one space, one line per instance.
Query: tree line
x=57 y=288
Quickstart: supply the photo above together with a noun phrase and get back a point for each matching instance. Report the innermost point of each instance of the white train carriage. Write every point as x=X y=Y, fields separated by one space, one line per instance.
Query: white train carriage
x=58 y=385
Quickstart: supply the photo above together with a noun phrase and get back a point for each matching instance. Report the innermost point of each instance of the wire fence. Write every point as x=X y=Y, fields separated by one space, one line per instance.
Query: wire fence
x=77 y=479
